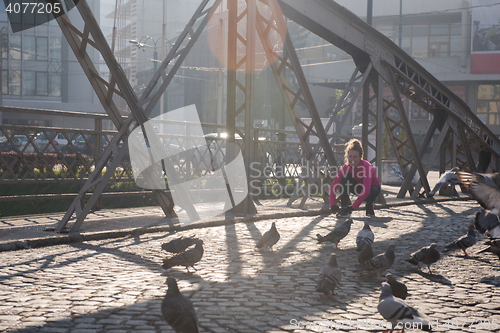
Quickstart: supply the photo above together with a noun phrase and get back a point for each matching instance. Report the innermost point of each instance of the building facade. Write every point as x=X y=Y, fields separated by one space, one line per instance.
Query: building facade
x=456 y=41
x=39 y=70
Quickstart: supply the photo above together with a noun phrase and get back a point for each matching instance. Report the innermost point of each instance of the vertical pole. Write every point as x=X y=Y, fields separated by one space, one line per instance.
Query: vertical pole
x=365 y=118
x=400 y=42
x=163 y=36
x=369 y=12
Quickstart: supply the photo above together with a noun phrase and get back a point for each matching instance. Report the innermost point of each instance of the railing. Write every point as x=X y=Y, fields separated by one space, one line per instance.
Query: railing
x=67 y=154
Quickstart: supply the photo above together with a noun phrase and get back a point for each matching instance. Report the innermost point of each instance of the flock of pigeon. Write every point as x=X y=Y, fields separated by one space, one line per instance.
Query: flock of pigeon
x=179 y=312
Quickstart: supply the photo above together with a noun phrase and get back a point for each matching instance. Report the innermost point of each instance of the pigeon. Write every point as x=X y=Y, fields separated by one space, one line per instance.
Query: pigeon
x=397 y=312
x=493 y=246
x=487 y=224
x=398 y=289
x=463 y=242
x=329 y=277
x=178 y=310
x=483 y=188
x=365 y=237
x=449 y=178
x=426 y=255
x=269 y=238
x=380 y=262
x=187 y=258
x=365 y=254
x=179 y=245
x=337 y=234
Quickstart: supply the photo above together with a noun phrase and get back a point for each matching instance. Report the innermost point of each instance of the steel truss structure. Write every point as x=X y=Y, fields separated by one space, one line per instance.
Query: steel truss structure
x=378 y=62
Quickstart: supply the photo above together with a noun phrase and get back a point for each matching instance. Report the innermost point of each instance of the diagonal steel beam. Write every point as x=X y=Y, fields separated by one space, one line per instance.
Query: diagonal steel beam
x=407 y=129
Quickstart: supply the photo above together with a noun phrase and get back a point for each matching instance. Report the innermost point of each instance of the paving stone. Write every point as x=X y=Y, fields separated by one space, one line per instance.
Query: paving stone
x=117 y=285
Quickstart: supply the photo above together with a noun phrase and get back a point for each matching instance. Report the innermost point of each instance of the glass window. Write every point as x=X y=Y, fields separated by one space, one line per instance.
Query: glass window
x=55 y=48
x=439 y=29
x=482 y=107
x=55 y=84
x=493 y=119
x=456 y=28
x=5 y=82
x=419 y=47
x=406 y=45
x=386 y=30
x=3 y=15
x=28 y=83
x=41 y=48
x=15 y=82
x=494 y=107
x=456 y=46
x=41 y=83
x=29 y=47
x=15 y=47
x=488 y=103
x=485 y=91
x=420 y=31
x=438 y=46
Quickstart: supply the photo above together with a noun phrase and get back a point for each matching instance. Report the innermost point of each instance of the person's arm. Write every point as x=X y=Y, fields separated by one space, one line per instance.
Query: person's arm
x=365 y=192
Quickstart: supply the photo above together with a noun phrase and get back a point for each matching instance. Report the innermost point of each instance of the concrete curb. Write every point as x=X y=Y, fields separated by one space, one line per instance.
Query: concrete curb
x=61 y=239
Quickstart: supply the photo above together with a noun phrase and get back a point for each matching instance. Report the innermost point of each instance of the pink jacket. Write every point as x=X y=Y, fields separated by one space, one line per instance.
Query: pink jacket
x=364 y=174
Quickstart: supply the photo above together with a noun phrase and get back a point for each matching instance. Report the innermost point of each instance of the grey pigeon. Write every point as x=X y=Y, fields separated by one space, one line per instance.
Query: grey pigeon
x=493 y=246
x=426 y=255
x=396 y=311
x=463 y=242
x=484 y=188
x=365 y=254
x=487 y=224
x=329 y=277
x=187 y=258
x=337 y=234
x=449 y=178
x=179 y=245
x=398 y=289
x=269 y=238
x=380 y=262
x=178 y=310
x=365 y=237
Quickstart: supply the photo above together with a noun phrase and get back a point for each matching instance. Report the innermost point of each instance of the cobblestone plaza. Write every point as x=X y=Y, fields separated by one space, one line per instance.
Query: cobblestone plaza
x=117 y=285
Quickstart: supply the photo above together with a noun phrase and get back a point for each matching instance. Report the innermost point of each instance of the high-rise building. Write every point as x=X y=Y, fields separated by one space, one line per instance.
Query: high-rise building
x=39 y=70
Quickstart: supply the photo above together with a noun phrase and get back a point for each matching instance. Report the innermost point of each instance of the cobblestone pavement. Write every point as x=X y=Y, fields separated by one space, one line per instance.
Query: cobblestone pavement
x=117 y=285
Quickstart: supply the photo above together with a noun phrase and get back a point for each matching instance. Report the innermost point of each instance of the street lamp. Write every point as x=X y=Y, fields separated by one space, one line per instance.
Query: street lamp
x=142 y=44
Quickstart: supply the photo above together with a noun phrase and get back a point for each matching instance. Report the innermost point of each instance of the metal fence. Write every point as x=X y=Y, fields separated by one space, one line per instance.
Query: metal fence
x=32 y=154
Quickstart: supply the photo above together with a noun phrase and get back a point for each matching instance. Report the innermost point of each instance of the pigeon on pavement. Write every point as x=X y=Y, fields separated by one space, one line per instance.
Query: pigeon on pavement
x=178 y=310
x=365 y=237
x=449 y=178
x=493 y=246
x=187 y=258
x=398 y=289
x=396 y=311
x=380 y=262
x=179 y=245
x=329 y=277
x=426 y=255
x=463 y=242
x=487 y=224
x=483 y=188
x=337 y=234
x=365 y=254
x=269 y=238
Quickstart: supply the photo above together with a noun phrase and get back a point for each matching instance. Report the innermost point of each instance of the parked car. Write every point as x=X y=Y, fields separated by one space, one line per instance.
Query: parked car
x=86 y=144
x=59 y=143
x=17 y=143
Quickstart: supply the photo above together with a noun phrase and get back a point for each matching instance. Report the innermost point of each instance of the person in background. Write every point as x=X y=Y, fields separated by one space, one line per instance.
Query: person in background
x=356 y=176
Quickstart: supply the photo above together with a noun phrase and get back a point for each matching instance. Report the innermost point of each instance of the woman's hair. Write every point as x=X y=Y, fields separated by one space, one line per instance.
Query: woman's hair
x=353 y=144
